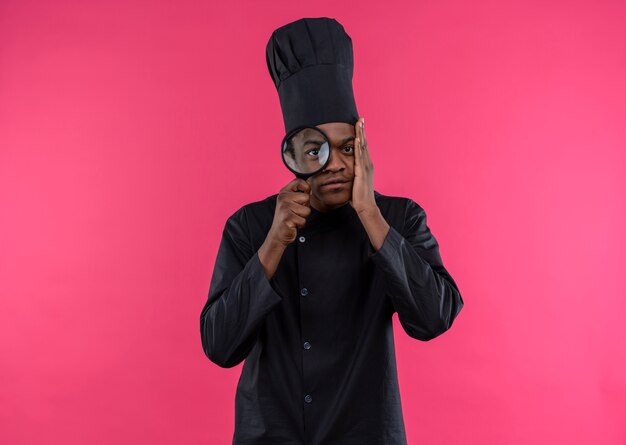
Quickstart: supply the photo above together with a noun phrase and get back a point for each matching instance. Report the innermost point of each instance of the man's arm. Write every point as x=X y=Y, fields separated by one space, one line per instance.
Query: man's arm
x=421 y=290
x=239 y=299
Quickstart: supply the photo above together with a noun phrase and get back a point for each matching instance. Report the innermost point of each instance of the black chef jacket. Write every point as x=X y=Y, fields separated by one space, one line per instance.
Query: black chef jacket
x=317 y=339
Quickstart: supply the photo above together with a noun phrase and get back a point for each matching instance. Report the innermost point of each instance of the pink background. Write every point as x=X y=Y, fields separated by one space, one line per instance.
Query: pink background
x=130 y=131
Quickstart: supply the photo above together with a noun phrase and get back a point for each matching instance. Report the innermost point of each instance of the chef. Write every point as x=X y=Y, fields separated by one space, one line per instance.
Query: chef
x=306 y=281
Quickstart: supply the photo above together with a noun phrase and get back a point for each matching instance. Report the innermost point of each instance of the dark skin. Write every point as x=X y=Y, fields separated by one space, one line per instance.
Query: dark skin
x=341 y=166
x=350 y=161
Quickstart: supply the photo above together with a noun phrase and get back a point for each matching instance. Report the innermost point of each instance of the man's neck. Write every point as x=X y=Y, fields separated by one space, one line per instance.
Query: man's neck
x=322 y=208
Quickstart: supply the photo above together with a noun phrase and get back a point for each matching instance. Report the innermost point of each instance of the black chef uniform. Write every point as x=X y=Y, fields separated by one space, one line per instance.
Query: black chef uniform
x=317 y=338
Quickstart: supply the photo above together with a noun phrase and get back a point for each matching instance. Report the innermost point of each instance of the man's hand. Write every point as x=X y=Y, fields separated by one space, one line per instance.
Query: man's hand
x=292 y=208
x=363 y=200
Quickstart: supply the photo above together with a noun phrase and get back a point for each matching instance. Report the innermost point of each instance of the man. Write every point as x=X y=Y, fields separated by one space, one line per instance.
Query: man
x=306 y=281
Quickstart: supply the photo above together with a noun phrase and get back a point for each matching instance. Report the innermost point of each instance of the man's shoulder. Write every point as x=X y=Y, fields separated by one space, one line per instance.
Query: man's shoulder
x=393 y=202
x=261 y=205
x=258 y=209
x=400 y=211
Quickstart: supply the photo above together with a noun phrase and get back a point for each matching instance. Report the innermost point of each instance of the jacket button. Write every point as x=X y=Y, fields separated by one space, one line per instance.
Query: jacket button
x=307 y=345
x=302 y=239
x=304 y=291
x=308 y=398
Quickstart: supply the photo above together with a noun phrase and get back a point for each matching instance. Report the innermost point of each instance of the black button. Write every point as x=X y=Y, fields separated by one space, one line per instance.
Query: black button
x=307 y=345
x=304 y=291
x=308 y=398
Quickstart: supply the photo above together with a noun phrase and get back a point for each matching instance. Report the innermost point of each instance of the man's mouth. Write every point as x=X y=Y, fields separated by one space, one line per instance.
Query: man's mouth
x=331 y=185
x=335 y=181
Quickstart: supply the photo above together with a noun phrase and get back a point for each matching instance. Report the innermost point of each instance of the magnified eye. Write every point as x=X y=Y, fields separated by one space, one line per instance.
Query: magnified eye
x=313 y=153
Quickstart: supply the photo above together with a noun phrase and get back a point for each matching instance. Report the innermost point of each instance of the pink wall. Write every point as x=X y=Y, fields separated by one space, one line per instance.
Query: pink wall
x=129 y=132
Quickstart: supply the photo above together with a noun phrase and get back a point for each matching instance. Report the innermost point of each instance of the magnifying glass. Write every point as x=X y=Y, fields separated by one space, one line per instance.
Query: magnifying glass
x=305 y=151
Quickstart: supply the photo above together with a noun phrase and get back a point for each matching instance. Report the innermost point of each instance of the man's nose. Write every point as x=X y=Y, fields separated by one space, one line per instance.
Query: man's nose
x=335 y=163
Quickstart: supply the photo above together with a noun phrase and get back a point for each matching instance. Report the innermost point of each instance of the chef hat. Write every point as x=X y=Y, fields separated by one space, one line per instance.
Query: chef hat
x=311 y=63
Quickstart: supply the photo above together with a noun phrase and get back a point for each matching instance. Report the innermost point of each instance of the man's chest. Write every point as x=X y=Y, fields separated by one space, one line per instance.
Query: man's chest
x=326 y=275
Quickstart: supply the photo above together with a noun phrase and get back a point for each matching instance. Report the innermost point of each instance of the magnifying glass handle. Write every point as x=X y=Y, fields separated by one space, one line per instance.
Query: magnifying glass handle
x=302 y=176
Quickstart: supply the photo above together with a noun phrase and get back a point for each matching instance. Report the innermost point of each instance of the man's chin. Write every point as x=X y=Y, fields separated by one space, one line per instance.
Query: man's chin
x=336 y=199
x=336 y=194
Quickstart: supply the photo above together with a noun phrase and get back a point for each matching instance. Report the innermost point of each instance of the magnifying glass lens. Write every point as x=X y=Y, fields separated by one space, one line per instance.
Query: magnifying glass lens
x=306 y=150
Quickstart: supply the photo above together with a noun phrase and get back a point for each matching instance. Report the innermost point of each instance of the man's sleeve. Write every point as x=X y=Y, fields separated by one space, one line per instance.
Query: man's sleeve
x=421 y=290
x=240 y=297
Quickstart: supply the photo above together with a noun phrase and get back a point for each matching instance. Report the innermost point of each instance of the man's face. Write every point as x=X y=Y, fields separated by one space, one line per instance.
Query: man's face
x=340 y=167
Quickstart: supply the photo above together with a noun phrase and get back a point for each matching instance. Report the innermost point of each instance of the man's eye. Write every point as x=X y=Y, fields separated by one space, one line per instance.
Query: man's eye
x=349 y=148
x=313 y=152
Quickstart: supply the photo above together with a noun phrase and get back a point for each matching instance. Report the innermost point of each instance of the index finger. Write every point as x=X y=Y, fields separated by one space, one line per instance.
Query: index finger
x=360 y=130
x=298 y=184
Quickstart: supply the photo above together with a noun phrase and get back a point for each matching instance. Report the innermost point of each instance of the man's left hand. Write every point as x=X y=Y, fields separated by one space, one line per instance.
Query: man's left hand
x=363 y=200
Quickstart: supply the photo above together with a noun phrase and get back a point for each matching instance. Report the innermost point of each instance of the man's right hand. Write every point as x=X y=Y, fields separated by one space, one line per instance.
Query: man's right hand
x=292 y=209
